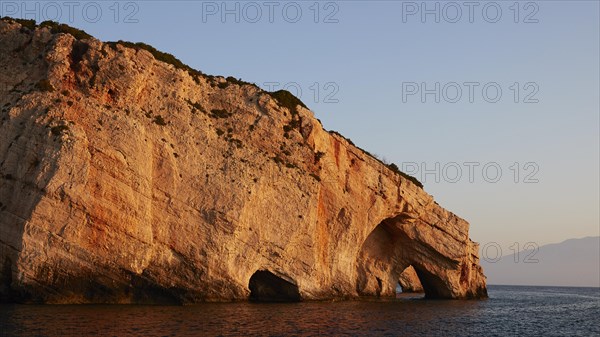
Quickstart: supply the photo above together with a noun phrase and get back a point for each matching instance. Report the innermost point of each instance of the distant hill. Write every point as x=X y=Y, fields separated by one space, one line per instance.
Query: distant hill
x=574 y=262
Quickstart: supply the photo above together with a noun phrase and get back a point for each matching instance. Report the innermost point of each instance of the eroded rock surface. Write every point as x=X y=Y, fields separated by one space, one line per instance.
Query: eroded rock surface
x=124 y=179
x=409 y=281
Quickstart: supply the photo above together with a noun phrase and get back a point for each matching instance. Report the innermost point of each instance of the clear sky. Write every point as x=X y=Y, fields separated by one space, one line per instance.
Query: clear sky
x=371 y=60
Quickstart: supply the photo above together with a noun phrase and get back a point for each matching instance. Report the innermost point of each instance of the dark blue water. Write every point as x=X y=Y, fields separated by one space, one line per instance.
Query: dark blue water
x=510 y=311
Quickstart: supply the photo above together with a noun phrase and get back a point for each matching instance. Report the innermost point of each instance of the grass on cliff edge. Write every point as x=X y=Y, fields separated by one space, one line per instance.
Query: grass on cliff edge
x=283 y=97
x=391 y=166
x=55 y=27
x=288 y=100
x=158 y=55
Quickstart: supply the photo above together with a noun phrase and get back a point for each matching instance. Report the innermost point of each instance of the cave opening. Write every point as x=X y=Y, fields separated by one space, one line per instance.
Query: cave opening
x=380 y=261
x=267 y=287
x=433 y=285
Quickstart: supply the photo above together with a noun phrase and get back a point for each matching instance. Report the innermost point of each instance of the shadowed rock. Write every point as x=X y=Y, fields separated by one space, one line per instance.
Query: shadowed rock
x=409 y=281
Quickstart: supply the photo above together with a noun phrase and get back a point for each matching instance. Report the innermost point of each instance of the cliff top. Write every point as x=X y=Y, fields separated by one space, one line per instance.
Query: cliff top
x=283 y=97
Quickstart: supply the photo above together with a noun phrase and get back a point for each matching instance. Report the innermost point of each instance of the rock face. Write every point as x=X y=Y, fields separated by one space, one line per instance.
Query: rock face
x=409 y=281
x=124 y=179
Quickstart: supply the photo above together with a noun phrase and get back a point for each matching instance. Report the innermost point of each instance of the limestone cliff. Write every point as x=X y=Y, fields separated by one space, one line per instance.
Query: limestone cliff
x=126 y=179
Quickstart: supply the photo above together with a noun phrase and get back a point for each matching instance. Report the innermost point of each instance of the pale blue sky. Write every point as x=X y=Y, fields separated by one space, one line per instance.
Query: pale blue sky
x=370 y=52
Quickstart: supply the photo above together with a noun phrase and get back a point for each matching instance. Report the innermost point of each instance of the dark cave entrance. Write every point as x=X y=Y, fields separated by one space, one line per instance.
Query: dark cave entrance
x=267 y=287
x=433 y=285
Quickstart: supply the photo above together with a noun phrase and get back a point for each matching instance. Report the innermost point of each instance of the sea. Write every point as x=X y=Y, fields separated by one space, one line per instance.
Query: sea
x=509 y=311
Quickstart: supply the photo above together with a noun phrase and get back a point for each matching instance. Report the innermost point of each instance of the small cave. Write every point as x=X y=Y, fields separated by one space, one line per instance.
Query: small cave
x=433 y=285
x=267 y=287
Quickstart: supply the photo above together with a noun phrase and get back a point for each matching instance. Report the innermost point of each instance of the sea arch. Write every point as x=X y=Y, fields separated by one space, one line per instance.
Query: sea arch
x=389 y=250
